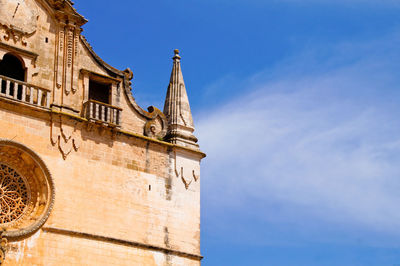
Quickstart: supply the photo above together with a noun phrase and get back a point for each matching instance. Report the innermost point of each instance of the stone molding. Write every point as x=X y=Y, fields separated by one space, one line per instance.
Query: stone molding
x=164 y=250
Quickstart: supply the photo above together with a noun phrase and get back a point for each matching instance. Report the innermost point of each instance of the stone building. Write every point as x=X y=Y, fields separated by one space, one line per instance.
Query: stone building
x=87 y=177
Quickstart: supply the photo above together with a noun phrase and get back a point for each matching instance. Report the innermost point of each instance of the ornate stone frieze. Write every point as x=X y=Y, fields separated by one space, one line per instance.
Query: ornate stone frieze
x=14 y=35
x=67 y=53
x=70 y=39
x=68 y=60
x=76 y=40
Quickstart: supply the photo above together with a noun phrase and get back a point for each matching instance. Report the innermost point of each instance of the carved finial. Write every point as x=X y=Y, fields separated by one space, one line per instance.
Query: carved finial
x=176 y=56
x=128 y=73
x=128 y=76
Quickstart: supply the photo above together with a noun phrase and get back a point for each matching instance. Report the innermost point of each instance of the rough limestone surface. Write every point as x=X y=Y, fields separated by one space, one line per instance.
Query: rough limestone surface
x=86 y=181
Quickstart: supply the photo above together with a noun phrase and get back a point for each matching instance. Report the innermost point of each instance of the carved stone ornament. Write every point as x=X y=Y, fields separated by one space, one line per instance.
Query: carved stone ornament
x=64 y=136
x=3 y=246
x=188 y=176
x=26 y=190
x=156 y=126
x=18 y=18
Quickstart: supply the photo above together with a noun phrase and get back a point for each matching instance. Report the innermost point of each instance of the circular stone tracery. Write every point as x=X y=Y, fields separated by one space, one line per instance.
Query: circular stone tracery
x=26 y=190
x=14 y=195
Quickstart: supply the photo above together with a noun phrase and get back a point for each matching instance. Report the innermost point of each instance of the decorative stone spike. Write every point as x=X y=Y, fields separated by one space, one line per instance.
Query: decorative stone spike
x=177 y=109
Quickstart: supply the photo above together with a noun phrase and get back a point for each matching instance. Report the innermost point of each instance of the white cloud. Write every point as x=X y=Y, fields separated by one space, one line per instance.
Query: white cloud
x=320 y=144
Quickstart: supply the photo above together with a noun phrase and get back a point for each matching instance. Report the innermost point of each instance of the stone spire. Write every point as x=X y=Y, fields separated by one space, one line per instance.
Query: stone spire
x=177 y=109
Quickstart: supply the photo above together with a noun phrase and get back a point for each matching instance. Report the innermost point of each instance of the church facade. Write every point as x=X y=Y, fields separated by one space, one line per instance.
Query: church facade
x=88 y=177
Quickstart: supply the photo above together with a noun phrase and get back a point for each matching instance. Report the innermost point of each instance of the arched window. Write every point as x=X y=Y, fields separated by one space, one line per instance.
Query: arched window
x=12 y=67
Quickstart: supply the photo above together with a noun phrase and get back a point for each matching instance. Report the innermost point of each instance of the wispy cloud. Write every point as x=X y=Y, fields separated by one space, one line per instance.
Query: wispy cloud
x=311 y=143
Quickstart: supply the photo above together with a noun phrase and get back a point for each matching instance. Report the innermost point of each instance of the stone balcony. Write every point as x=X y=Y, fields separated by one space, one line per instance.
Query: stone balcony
x=23 y=92
x=102 y=113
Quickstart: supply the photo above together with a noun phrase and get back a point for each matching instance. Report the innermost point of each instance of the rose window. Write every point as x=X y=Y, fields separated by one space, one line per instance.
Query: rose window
x=26 y=190
x=14 y=195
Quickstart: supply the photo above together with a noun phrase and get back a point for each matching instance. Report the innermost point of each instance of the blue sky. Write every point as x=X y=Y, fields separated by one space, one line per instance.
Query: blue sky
x=295 y=102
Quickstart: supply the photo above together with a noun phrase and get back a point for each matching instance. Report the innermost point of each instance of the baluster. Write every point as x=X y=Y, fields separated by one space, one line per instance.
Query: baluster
x=100 y=107
x=1 y=86
x=103 y=115
x=118 y=116
x=39 y=97
x=114 y=116
x=97 y=111
x=109 y=114
x=48 y=99
x=90 y=110
x=31 y=95
x=8 y=87
x=15 y=96
x=23 y=95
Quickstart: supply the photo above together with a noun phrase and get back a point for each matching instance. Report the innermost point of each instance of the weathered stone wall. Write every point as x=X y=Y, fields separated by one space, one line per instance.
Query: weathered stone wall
x=119 y=187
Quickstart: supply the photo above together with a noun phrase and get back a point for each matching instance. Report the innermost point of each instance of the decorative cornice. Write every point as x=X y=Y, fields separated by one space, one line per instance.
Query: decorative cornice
x=135 y=135
x=64 y=10
x=105 y=78
x=100 y=61
x=24 y=52
x=46 y=111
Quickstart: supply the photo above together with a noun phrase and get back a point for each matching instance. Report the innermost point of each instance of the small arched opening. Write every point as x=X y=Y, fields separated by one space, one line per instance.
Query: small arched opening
x=12 y=67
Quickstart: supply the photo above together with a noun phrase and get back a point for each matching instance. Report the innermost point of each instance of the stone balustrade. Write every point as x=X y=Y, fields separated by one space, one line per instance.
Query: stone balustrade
x=101 y=112
x=24 y=92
